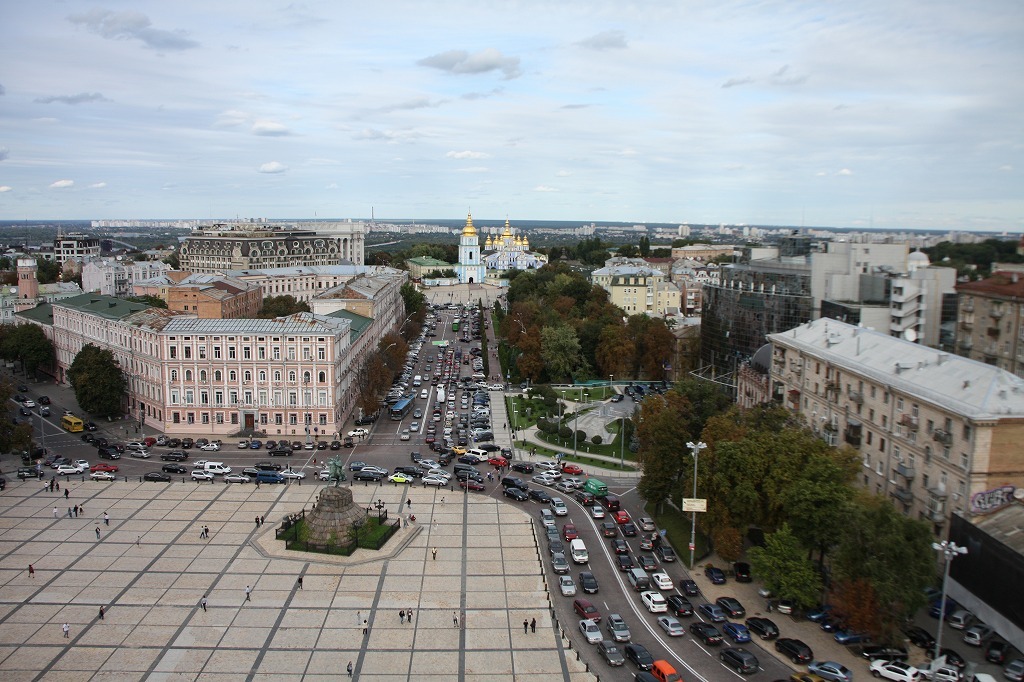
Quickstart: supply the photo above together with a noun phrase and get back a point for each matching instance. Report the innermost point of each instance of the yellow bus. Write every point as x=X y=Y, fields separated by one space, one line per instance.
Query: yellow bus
x=72 y=423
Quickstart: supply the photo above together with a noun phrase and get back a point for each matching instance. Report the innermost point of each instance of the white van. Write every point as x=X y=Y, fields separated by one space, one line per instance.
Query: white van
x=417 y=380
x=216 y=468
x=579 y=551
x=477 y=452
x=639 y=579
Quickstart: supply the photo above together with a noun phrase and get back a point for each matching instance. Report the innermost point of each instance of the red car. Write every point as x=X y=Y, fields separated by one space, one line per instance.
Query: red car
x=621 y=517
x=149 y=441
x=569 y=531
x=572 y=469
x=498 y=462
x=472 y=485
x=103 y=467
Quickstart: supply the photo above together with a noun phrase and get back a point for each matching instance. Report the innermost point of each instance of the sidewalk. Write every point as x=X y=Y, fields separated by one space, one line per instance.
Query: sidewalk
x=530 y=436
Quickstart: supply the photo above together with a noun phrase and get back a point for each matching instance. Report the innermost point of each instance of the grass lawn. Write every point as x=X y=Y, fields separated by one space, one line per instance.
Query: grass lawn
x=677 y=527
x=581 y=459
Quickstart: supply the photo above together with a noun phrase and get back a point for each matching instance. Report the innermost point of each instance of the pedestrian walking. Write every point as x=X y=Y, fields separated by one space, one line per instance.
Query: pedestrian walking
x=401 y=617
x=67 y=630
x=434 y=553
x=31 y=571
x=349 y=668
x=526 y=625
x=50 y=485
x=97 y=532
x=106 y=519
x=57 y=485
x=248 y=592
x=67 y=493
x=76 y=511
x=300 y=582
x=533 y=625
x=257 y=522
x=101 y=612
x=366 y=627
x=138 y=541
x=263 y=519
x=202 y=602
x=54 y=512
x=455 y=619
x=69 y=512
x=408 y=614
x=442 y=500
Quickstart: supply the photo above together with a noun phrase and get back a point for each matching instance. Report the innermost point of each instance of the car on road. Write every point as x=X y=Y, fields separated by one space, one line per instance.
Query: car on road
x=646 y=524
x=647 y=562
x=522 y=467
x=715 y=575
x=567 y=586
x=731 y=606
x=739 y=659
x=895 y=670
x=736 y=632
x=679 y=605
x=435 y=479
x=620 y=546
x=472 y=484
x=103 y=467
x=625 y=562
x=356 y=433
x=794 y=649
x=713 y=612
x=293 y=475
x=586 y=609
x=174 y=456
x=400 y=478
x=662 y=581
x=639 y=656
x=588 y=583
x=516 y=494
x=617 y=628
x=141 y=454
x=621 y=517
x=367 y=475
x=609 y=529
x=689 y=588
x=210 y=447
x=706 y=632
x=102 y=476
x=70 y=469
x=610 y=653
x=763 y=627
x=597 y=511
x=654 y=602
x=200 y=475
x=665 y=553
x=591 y=631
x=174 y=468
x=559 y=564
x=997 y=651
x=156 y=476
x=671 y=626
x=830 y=670
x=236 y=478
x=569 y=532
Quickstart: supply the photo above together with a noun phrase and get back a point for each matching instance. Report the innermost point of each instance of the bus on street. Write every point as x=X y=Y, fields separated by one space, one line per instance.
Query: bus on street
x=400 y=409
x=72 y=423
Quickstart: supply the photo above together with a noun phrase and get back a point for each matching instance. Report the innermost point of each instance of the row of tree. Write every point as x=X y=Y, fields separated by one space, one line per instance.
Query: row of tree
x=764 y=470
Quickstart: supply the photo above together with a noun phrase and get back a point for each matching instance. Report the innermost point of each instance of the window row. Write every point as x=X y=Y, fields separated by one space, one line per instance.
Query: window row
x=188 y=397
x=247 y=353
x=277 y=418
x=261 y=376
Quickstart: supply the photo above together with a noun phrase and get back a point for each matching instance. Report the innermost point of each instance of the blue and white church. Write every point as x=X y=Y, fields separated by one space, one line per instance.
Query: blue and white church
x=470 y=269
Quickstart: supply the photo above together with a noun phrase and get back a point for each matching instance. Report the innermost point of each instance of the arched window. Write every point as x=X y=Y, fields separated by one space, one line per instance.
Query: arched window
x=217 y=376
x=188 y=375
x=247 y=375
x=202 y=375
x=291 y=376
x=277 y=375
x=306 y=376
x=232 y=376
x=263 y=375
x=174 y=375
x=322 y=377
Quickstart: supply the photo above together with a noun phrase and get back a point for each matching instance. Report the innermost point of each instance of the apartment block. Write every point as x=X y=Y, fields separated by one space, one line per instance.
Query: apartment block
x=990 y=320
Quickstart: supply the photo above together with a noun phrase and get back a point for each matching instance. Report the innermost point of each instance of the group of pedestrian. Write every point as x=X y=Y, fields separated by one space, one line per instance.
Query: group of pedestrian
x=204 y=533
x=76 y=510
x=530 y=625
x=260 y=521
x=402 y=617
x=52 y=485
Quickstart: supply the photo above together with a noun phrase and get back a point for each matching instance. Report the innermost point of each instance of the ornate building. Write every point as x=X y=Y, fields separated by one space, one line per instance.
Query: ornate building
x=470 y=269
x=251 y=246
x=511 y=251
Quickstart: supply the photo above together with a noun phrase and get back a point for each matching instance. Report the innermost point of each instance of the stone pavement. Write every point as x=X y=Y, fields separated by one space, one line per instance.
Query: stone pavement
x=150 y=569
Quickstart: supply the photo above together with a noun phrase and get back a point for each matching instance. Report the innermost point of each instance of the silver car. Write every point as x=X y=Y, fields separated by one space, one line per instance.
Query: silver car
x=591 y=631
x=567 y=586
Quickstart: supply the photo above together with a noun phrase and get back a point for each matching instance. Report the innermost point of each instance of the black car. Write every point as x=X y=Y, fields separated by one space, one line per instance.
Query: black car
x=625 y=562
x=522 y=467
x=739 y=659
x=415 y=472
x=763 y=627
x=629 y=529
x=280 y=452
x=584 y=498
x=173 y=443
x=689 y=587
x=556 y=547
x=44 y=400
x=108 y=453
x=322 y=445
x=175 y=456
x=366 y=419
x=516 y=494
x=620 y=546
x=88 y=437
x=741 y=571
x=268 y=466
x=794 y=650
x=415 y=456
x=706 y=632
x=731 y=606
x=918 y=636
x=588 y=582
x=187 y=443
x=251 y=471
x=639 y=655
x=715 y=575
x=157 y=476
x=679 y=605
x=952 y=657
x=540 y=495
x=879 y=652
x=174 y=469
x=27 y=472
x=90 y=426
x=665 y=553
x=25 y=412
x=101 y=442
x=610 y=529
x=363 y=475
x=995 y=652
x=335 y=445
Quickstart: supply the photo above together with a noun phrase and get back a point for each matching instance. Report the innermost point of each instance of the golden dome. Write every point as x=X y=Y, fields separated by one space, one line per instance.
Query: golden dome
x=469 y=230
x=508 y=230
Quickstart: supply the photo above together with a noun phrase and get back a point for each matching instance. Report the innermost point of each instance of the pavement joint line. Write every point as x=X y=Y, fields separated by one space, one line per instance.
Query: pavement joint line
x=282 y=612
x=83 y=630
x=462 y=585
x=560 y=642
x=370 y=618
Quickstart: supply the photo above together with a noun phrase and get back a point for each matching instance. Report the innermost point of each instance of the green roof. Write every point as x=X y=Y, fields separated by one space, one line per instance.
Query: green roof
x=428 y=262
x=359 y=323
x=41 y=314
x=110 y=307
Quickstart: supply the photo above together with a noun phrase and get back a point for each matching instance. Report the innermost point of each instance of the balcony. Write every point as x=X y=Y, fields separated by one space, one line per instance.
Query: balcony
x=944 y=437
x=937 y=517
x=793 y=398
x=967 y=325
x=996 y=313
x=966 y=344
x=903 y=495
x=852 y=437
x=856 y=397
x=906 y=471
x=831 y=427
x=993 y=332
x=909 y=421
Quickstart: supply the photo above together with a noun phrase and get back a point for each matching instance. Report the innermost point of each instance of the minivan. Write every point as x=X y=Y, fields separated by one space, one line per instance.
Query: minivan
x=611 y=503
x=576 y=548
x=960 y=619
x=740 y=660
x=269 y=477
x=216 y=468
x=546 y=517
x=465 y=467
x=477 y=452
x=663 y=671
x=558 y=506
x=639 y=579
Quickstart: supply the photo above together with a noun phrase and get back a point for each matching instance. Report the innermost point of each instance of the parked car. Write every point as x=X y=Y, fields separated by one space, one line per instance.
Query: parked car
x=830 y=670
x=895 y=670
x=732 y=606
x=794 y=649
x=715 y=575
x=174 y=469
x=712 y=612
x=763 y=627
x=879 y=652
x=157 y=476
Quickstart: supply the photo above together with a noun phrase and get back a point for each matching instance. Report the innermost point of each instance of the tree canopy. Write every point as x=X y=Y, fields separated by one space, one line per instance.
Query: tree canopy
x=281 y=306
x=26 y=343
x=98 y=381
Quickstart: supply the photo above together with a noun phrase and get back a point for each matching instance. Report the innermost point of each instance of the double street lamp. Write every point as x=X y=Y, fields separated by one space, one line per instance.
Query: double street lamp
x=950 y=550
x=696 y=448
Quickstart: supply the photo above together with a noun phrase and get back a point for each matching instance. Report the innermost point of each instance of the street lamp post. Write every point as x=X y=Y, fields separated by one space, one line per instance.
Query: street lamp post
x=950 y=550
x=696 y=448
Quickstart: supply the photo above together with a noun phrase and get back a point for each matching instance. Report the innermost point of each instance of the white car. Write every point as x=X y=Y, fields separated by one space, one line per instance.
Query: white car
x=29 y=403
x=895 y=670
x=548 y=464
x=81 y=463
x=654 y=602
x=543 y=479
x=324 y=475
x=497 y=387
x=429 y=464
x=141 y=454
x=438 y=472
x=597 y=511
x=355 y=433
x=102 y=476
x=294 y=475
x=69 y=469
x=200 y=475
x=210 y=447
x=435 y=479
x=566 y=585
x=405 y=435
x=591 y=631
x=662 y=581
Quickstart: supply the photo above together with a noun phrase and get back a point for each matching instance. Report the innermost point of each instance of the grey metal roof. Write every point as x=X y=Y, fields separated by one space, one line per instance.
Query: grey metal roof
x=962 y=386
x=299 y=323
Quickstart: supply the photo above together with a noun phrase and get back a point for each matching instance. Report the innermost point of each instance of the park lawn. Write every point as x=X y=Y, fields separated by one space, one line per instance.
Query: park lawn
x=677 y=528
x=580 y=459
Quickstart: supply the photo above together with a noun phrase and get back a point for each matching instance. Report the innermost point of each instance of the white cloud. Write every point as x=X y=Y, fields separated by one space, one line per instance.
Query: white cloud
x=468 y=155
x=563 y=174
x=462 y=62
x=606 y=40
x=1006 y=168
x=544 y=188
x=80 y=98
x=273 y=167
x=97 y=185
x=845 y=171
x=332 y=185
x=270 y=129
x=62 y=184
x=131 y=26
x=5 y=188
x=821 y=174
x=474 y=169
x=231 y=118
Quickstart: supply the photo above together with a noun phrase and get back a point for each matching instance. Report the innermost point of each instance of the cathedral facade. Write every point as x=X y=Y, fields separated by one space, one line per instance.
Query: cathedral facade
x=470 y=268
x=509 y=251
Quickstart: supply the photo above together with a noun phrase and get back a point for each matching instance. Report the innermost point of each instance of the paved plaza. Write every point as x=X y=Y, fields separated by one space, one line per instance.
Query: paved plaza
x=149 y=570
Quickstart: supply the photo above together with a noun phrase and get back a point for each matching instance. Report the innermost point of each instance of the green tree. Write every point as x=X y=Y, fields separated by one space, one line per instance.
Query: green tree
x=414 y=300
x=662 y=433
x=615 y=352
x=280 y=306
x=645 y=247
x=150 y=300
x=173 y=260
x=817 y=505
x=47 y=271
x=6 y=425
x=98 y=382
x=28 y=344
x=785 y=569
x=560 y=350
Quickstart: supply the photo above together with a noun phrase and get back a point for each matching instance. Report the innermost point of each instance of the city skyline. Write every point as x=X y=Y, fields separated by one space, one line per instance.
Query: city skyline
x=876 y=115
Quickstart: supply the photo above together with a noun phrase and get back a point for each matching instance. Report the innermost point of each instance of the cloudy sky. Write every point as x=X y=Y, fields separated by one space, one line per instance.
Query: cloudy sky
x=891 y=113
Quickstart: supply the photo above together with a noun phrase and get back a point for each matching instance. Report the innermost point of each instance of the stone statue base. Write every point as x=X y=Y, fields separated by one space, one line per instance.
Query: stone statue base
x=331 y=520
